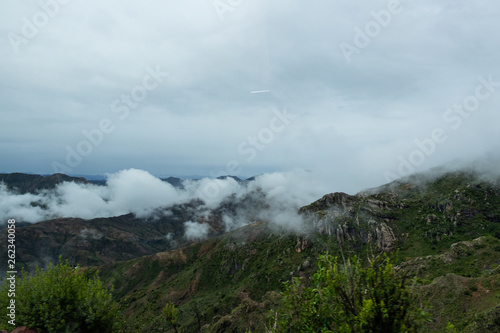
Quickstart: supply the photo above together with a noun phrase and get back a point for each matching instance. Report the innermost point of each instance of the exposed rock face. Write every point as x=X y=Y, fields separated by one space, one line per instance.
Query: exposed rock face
x=351 y=219
x=301 y=245
x=338 y=201
x=387 y=216
x=385 y=237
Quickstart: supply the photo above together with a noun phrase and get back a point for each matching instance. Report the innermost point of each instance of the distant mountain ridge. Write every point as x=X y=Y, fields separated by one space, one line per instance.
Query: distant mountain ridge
x=30 y=183
x=33 y=183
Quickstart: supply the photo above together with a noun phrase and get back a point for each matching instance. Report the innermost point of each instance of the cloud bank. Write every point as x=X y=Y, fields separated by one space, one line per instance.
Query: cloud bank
x=90 y=67
x=272 y=197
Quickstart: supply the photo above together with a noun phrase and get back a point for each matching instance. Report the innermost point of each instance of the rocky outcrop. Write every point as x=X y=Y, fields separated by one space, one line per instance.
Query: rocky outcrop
x=384 y=237
x=351 y=219
x=437 y=209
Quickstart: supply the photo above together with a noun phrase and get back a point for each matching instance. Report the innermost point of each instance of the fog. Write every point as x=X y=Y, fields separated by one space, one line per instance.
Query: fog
x=273 y=197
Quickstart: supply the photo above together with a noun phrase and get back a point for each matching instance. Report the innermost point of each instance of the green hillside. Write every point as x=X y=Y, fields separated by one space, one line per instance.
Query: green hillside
x=445 y=230
x=442 y=231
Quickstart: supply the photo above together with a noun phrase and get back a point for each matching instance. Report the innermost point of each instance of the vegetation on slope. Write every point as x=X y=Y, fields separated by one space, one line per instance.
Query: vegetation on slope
x=231 y=282
x=59 y=299
x=445 y=232
x=351 y=296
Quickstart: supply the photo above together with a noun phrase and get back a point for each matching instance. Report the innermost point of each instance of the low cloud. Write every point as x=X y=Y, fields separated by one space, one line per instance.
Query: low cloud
x=90 y=234
x=195 y=230
x=208 y=205
x=272 y=197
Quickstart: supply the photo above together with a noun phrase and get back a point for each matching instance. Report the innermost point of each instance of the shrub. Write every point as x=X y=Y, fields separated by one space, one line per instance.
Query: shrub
x=350 y=297
x=171 y=315
x=61 y=299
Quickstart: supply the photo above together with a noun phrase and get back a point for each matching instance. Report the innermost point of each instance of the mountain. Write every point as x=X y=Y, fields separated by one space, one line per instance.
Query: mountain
x=423 y=214
x=174 y=181
x=445 y=229
x=228 y=284
x=27 y=183
x=108 y=240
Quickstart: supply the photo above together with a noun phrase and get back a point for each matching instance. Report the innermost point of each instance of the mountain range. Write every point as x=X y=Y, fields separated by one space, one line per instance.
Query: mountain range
x=444 y=229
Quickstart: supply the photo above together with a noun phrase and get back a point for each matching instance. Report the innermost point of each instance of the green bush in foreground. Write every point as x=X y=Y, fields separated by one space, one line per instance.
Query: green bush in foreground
x=61 y=299
x=350 y=297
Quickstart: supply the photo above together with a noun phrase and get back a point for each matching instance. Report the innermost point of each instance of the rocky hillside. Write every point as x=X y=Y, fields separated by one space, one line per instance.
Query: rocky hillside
x=423 y=215
x=229 y=283
x=446 y=230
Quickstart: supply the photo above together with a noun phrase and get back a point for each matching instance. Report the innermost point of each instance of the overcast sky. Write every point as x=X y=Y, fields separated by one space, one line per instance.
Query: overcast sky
x=357 y=92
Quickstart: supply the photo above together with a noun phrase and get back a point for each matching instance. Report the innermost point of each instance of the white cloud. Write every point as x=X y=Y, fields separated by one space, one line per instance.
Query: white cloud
x=140 y=192
x=195 y=230
x=353 y=120
x=128 y=191
x=212 y=191
x=272 y=197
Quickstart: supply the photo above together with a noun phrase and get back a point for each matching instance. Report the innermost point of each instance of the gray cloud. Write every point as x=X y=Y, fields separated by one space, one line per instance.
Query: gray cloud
x=138 y=192
x=354 y=120
x=194 y=230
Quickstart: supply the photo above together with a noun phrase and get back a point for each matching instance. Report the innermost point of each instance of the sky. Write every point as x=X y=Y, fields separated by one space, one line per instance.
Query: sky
x=357 y=93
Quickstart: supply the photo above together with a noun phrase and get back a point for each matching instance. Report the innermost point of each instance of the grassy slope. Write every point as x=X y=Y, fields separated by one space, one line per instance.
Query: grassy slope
x=227 y=284
x=462 y=285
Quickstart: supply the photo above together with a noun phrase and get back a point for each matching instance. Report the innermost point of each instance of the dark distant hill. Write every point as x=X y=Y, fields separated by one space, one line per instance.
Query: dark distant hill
x=233 y=177
x=174 y=181
x=27 y=183
x=31 y=183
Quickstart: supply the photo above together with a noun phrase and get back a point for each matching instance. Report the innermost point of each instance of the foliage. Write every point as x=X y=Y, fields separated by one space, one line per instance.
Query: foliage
x=450 y=328
x=350 y=297
x=171 y=315
x=61 y=299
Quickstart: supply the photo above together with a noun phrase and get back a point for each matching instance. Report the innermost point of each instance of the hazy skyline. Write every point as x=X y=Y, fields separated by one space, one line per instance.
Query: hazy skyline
x=356 y=92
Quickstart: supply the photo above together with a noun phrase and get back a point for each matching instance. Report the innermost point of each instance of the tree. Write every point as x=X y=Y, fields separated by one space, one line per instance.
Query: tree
x=171 y=315
x=350 y=297
x=61 y=299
